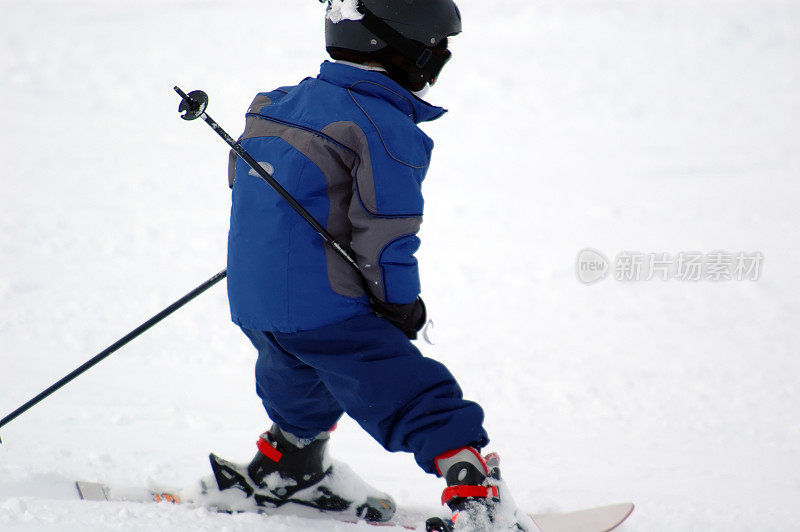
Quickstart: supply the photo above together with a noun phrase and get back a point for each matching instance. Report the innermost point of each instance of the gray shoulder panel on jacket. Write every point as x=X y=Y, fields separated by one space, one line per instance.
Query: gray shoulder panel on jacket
x=341 y=153
x=370 y=233
x=335 y=163
x=352 y=136
x=260 y=101
x=370 y=236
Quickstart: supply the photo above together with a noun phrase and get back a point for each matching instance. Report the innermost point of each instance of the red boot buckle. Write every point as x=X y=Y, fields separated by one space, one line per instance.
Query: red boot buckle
x=465 y=492
x=268 y=450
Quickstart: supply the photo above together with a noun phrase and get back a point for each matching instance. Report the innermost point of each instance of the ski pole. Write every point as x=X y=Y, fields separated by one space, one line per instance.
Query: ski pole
x=194 y=104
x=115 y=346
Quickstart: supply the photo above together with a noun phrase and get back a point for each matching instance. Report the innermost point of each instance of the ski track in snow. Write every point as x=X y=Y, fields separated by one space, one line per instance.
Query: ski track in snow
x=642 y=126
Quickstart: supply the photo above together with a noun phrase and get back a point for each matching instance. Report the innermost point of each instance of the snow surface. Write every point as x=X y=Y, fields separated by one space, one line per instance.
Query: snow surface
x=619 y=125
x=343 y=10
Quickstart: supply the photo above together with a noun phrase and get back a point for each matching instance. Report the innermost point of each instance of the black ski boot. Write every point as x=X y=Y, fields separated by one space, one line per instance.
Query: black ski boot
x=297 y=466
x=287 y=469
x=476 y=495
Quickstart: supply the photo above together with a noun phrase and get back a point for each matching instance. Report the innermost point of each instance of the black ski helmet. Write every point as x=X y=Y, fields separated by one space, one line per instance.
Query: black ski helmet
x=414 y=30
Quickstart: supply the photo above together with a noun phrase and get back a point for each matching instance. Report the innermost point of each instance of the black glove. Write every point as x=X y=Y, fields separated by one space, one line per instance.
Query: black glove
x=409 y=317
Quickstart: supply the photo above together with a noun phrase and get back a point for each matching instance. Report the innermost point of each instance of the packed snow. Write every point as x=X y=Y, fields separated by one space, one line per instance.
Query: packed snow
x=623 y=126
x=343 y=10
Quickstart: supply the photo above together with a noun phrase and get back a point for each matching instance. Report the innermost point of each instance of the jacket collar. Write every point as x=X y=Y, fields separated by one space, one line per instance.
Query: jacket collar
x=379 y=85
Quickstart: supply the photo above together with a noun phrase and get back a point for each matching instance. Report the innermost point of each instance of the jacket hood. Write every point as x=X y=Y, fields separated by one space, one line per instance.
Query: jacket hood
x=379 y=85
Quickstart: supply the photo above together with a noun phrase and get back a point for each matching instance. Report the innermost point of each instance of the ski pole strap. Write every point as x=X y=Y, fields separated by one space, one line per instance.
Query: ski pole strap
x=465 y=492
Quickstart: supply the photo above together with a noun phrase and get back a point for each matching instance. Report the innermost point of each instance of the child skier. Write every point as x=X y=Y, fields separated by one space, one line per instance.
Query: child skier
x=347 y=146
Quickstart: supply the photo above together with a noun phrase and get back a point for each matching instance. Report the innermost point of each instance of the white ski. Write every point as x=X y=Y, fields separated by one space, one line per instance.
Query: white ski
x=600 y=519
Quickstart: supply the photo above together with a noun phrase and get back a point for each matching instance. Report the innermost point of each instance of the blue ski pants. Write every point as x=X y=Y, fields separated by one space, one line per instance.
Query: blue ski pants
x=367 y=368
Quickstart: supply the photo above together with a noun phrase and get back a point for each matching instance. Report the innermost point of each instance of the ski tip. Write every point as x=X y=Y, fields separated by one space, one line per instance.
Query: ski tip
x=91 y=491
x=620 y=512
x=623 y=510
x=631 y=507
x=626 y=506
x=626 y=509
x=601 y=518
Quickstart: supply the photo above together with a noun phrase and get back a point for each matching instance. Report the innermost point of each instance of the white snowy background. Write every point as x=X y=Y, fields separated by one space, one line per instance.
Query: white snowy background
x=650 y=126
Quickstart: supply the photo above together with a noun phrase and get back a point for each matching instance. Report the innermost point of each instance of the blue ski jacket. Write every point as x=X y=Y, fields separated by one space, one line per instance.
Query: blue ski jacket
x=347 y=146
